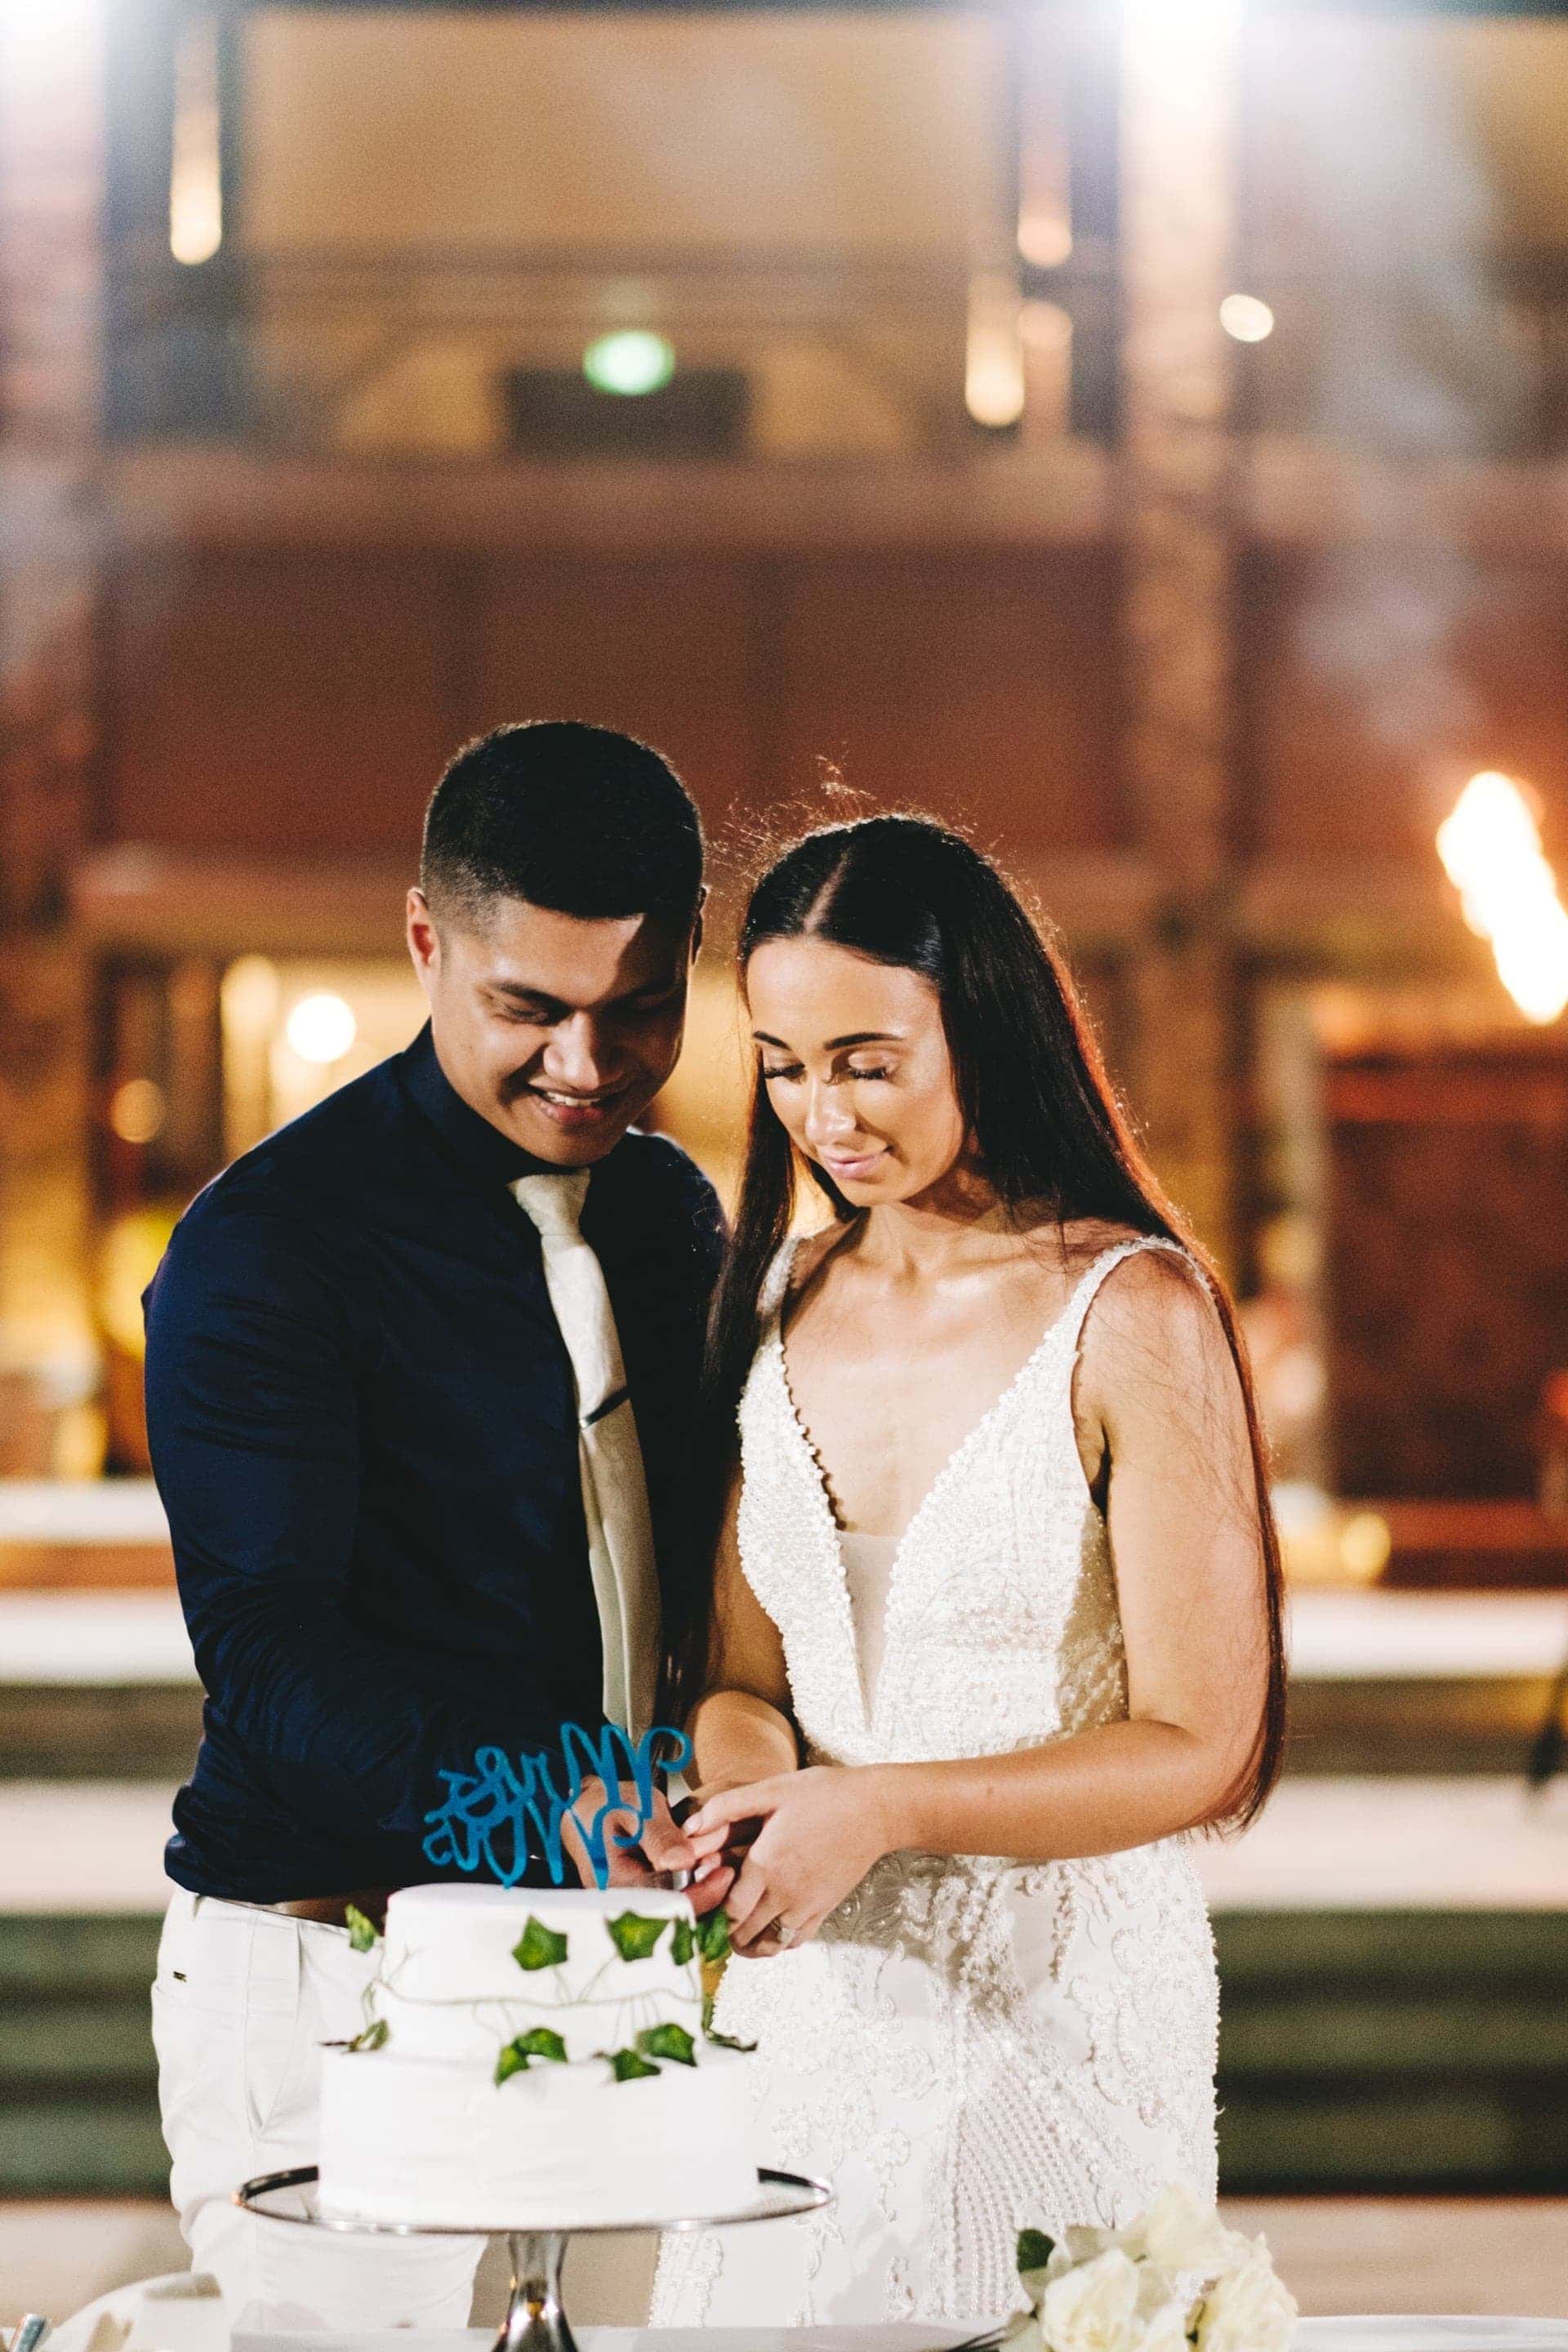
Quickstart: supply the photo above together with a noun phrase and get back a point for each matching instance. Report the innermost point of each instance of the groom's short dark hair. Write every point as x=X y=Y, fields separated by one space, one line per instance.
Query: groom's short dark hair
x=579 y=819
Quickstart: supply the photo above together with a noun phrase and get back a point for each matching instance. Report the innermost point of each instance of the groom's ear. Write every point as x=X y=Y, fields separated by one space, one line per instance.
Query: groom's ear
x=424 y=939
x=696 y=923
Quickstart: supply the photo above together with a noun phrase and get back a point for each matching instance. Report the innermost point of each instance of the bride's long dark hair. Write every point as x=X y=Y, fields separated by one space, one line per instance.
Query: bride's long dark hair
x=1048 y=1136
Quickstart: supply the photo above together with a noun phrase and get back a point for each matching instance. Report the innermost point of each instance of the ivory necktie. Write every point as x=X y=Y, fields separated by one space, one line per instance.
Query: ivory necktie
x=615 y=1492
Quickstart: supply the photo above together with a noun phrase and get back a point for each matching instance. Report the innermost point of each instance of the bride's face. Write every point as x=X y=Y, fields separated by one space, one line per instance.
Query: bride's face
x=856 y=1063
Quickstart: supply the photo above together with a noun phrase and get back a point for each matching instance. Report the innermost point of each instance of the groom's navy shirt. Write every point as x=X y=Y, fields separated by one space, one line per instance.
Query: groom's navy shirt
x=364 y=1434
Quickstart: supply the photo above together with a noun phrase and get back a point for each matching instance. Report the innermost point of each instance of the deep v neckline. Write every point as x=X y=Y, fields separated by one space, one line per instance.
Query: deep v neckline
x=821 y=1485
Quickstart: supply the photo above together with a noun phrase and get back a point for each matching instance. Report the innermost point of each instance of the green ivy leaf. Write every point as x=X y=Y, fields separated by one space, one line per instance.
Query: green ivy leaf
x=540 y=1947
x=713 y=1937
x=542 y=2041
x=633 y=1936
x=539 y=2042
x=376 y=2033
x=683 y=1943
x=629 y=2065
x=668 y=2042
x=363 y=1933
x=726 y=2041
x=1034 y=2249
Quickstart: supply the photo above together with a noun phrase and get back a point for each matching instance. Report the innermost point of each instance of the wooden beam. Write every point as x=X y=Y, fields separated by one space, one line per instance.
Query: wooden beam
x=192 y=495
x=1177 y=143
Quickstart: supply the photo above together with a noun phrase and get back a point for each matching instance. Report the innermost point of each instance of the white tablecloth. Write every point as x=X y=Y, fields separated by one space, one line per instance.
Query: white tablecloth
x=1311 y=2336
x=184 y=2314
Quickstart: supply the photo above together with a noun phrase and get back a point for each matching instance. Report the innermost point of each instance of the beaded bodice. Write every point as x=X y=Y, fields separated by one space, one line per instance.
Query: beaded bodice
x=1002 y=1627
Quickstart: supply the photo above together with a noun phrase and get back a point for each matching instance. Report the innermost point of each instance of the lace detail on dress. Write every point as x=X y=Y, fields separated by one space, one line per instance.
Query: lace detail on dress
x=969 y=2044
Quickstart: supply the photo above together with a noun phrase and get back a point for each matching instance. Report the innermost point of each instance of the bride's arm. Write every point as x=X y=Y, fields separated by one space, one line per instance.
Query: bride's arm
x=740 y=1730
x=1158 y=1379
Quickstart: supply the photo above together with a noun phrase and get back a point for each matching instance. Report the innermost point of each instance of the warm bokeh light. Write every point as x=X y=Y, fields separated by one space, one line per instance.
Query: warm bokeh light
x=1045 y=236
x=1244 y=317
x=1045 y=327
x=196 y=173
x=321 y=1028
x=137 y=1109
x=1364 y=1546
x=631 y=363
x=994 y=366
x=1491 y=849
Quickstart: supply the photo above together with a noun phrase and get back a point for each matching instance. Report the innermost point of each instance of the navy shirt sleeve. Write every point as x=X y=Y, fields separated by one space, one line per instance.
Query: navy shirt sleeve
x=257 y=1342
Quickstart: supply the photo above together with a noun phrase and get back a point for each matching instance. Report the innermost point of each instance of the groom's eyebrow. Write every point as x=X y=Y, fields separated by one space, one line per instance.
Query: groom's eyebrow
x=522 y=994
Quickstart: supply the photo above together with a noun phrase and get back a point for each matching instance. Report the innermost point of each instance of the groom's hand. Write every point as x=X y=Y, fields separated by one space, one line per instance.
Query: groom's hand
x=661 y=1845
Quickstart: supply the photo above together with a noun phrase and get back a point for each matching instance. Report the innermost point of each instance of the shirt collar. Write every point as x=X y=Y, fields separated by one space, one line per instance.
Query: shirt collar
x=488 y=1155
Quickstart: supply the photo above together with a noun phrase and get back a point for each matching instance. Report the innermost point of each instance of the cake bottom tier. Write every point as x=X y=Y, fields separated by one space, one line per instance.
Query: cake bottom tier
x=409 y=2139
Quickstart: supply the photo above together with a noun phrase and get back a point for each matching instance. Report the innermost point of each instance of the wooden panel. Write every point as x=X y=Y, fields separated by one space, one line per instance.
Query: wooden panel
x=1372 y=682
x=289 y=701
x=661 y=649
x=982 y=686
x=1448 y=1273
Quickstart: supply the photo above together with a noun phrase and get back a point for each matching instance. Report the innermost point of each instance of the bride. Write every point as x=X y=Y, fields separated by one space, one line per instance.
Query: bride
x=993 y=1615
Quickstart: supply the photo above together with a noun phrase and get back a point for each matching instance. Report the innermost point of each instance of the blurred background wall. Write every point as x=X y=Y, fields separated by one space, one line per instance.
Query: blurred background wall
x=1135 y=432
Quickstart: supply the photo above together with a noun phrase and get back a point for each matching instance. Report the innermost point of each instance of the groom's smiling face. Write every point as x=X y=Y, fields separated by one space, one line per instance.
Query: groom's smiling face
x=558 y=1029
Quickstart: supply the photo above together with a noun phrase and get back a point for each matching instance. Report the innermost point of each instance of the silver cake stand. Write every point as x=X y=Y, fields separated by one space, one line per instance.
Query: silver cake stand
x=535 y=2319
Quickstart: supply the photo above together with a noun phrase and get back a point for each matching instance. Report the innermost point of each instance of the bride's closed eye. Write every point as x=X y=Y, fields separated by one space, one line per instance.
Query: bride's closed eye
x=792 y=1070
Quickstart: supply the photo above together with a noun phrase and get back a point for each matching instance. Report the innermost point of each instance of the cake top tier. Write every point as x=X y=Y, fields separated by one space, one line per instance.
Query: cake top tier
x=541 y=1947
x=442 y=1902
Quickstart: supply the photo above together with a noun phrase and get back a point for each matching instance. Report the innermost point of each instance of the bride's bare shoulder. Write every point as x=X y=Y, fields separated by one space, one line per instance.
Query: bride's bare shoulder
x=811 y=1253
x=1083 y=1239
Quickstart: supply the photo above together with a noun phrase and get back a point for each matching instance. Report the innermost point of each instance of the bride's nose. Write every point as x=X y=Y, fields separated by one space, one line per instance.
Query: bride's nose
x=828 y=1119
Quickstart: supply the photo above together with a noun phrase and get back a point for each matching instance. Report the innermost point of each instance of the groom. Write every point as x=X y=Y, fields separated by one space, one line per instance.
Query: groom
x=420 y=1372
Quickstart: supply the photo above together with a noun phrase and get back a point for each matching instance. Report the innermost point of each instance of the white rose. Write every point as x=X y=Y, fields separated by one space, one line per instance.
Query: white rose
x=1021 y=2333
x=1179 y=2234
x=1094 y=2307
x=1082 y=2243
x=1249 y=2309
x=1156 y=2288
x=1166 y=2331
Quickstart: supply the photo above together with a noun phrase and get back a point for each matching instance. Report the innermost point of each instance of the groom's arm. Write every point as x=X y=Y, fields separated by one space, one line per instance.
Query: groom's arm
x=254 y=1344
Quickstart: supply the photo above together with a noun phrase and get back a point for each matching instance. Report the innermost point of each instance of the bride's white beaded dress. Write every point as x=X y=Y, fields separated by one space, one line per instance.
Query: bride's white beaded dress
x=969 y=2046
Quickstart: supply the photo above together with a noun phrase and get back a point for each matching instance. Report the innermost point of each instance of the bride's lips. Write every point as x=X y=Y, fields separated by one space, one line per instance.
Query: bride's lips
x=854 y=1166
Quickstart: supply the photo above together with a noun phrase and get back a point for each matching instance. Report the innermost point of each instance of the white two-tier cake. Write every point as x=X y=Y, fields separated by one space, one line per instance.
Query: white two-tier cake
x=534 y=2059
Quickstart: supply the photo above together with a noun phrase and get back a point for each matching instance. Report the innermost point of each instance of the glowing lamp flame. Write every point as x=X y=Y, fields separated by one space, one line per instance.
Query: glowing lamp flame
x=1491 y=847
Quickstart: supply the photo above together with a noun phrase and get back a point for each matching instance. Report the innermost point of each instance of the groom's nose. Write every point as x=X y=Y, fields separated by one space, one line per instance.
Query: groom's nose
x=576 y=1056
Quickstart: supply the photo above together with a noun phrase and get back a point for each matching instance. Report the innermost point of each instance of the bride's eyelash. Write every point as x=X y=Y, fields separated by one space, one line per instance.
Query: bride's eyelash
x=792 y=1070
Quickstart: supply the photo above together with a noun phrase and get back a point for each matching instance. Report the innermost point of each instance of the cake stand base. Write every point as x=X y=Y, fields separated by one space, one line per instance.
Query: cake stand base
x=536 y=2318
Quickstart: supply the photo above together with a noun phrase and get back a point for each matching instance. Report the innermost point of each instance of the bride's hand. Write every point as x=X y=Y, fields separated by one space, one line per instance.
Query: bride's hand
x=820 y=1831
x=720 y=1850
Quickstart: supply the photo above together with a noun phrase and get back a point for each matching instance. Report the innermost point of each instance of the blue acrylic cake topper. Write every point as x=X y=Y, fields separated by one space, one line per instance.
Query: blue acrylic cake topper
x=492 y=1816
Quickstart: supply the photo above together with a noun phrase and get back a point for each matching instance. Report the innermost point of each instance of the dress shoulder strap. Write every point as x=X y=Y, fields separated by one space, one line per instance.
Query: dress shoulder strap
x=775 y=1282
x=1088 y=1288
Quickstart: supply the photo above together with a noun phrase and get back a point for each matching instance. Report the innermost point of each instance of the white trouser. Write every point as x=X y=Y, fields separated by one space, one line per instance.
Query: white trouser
x=242 y=2000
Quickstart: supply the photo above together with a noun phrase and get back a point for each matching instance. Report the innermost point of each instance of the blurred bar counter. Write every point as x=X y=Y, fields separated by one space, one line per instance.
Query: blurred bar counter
x=97 y=1680
x=1474 y=1545
x=112 y=1533
x=106 y=1534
